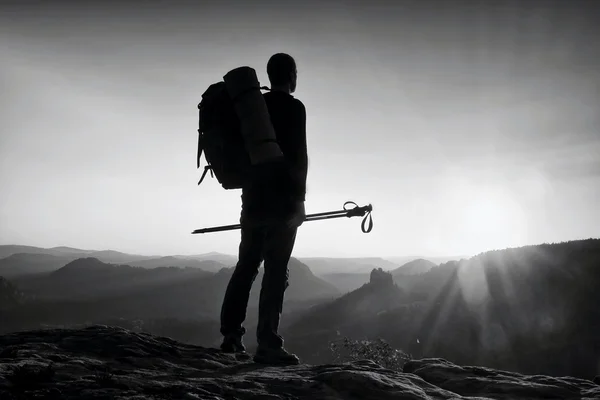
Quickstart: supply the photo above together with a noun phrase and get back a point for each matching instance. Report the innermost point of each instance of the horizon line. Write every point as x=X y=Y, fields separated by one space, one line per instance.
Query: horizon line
x=387 y=258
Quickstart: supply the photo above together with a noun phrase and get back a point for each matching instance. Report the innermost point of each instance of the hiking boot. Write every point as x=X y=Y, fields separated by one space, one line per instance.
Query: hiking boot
x=233 y=345
x=275 y=356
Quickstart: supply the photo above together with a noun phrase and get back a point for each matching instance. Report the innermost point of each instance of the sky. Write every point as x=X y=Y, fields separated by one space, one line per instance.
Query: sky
x=468 y=125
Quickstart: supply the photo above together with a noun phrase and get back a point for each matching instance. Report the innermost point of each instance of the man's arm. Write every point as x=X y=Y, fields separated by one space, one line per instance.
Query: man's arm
x=299 y=159
x=298 y=164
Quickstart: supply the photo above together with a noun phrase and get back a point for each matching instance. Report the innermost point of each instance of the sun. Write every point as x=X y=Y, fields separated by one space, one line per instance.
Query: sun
x=492 y=218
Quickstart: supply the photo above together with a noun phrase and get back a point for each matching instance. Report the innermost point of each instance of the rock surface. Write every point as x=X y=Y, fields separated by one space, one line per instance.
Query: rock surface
x=103 y=362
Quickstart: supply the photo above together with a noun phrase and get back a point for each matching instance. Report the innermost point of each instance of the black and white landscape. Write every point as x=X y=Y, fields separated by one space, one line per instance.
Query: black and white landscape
x=470 y=127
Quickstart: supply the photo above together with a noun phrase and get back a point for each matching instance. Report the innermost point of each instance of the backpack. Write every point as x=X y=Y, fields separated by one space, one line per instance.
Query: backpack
x=220 y=139
x=232 y=145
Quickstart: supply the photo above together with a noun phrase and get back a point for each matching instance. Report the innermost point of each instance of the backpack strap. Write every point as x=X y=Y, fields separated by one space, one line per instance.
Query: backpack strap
x=200 y=147
x=206 y=169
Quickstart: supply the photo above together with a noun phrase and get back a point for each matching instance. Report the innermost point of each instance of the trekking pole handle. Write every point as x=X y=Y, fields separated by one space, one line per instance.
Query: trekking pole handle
x=367 y=223
x=357 y=211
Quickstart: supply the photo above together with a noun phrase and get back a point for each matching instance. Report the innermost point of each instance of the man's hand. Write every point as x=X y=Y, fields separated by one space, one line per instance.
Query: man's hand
x=298 y=216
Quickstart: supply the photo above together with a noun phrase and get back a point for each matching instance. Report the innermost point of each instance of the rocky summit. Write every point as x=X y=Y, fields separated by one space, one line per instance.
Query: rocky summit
x=101 y=362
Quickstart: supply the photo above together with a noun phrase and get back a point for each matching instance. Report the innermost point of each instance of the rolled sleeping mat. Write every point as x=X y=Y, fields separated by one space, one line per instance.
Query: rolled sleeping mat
x=250 y=106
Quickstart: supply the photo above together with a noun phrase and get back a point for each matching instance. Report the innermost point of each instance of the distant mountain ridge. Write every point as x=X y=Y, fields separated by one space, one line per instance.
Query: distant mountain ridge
x=348 y=281
x=9 y=249
x=226 y=259
x=33 y=263
x=173 y=261
x=87 y=278
x=88 y=286
x=531 y=309
x=37 y=260
x=72 y=250
x=418 y=266
x=104 y=255
x=401 y=260
x=111 y=256
x=330 y=265
x=318 y=265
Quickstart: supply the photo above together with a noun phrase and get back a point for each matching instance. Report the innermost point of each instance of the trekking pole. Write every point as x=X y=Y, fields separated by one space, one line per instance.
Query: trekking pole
x=356 y=211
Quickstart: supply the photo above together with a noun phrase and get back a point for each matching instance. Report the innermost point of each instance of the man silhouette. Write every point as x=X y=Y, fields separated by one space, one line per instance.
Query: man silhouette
x=272 y=210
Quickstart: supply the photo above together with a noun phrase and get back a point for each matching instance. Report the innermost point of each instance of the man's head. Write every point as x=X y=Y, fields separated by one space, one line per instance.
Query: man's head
x=282 y=72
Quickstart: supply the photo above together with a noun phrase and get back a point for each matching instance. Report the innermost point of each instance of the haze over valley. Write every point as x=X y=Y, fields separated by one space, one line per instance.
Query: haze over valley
x=515 y=309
